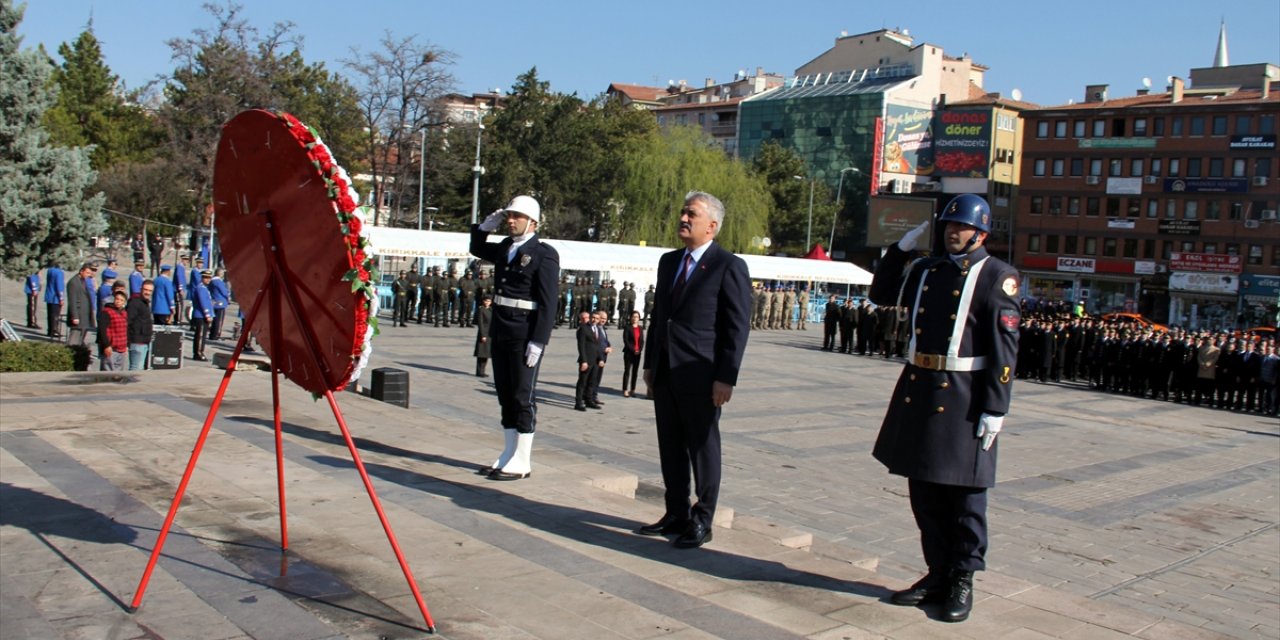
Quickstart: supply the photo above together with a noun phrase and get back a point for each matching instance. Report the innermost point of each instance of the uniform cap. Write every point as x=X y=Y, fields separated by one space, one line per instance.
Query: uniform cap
x=165 y=267
x=525 y=205
x=108 y=273
x=206 y=274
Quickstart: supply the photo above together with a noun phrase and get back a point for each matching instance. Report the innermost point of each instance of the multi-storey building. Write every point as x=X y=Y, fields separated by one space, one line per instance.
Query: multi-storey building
x=1163 y=204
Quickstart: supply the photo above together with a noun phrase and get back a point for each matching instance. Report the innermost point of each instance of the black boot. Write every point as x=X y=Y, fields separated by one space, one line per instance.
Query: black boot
x=927 y=590
x=960 y=597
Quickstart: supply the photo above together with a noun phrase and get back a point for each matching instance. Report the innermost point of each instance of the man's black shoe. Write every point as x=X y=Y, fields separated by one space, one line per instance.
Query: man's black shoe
x=927 y=590
x=664 y=527
x=594 y=405
x=695 y=536
x=960 y=597
x=578 y=407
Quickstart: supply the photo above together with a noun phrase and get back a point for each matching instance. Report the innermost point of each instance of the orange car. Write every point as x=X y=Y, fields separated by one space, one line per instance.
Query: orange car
x=1135 y=319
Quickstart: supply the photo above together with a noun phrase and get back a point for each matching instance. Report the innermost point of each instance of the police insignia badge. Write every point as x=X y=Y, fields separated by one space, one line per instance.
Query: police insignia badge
x=1009 y=320
x=526 y=259
x=1010 y=286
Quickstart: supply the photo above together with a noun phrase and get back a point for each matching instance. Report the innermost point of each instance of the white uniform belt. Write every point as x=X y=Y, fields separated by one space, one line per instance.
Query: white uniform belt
x=515 y=303
x=938 y=362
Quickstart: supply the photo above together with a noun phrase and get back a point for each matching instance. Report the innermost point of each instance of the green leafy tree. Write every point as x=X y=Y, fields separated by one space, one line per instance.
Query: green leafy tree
x=779 y=167
x=46 y=217
x=662 y=170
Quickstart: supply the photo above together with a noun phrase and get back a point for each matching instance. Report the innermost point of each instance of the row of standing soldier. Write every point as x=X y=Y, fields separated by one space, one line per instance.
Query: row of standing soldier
x=865 y=329
x=617 y=304
x=775 y=306
x=443 y=299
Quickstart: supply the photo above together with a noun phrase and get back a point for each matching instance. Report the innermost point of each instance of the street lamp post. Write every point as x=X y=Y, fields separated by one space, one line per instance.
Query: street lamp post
x=422 y=175
x=808 y=238
x=475 y=184
x=839 y=189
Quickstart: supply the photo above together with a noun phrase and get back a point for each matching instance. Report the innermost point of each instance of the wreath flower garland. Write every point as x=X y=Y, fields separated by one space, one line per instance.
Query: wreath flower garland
x=363 y=273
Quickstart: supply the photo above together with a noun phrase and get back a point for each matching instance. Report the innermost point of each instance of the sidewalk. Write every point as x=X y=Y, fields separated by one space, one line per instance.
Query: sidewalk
x=812 y=535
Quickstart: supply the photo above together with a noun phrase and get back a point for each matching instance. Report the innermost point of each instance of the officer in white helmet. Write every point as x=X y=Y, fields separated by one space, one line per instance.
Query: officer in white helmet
x=525 y=287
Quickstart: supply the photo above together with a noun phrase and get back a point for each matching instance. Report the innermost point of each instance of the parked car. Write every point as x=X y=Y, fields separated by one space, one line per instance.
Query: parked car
x=1135 y=319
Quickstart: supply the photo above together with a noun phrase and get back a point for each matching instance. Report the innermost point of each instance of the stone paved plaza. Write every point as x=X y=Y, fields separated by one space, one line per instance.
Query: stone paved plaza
x=1114 y=517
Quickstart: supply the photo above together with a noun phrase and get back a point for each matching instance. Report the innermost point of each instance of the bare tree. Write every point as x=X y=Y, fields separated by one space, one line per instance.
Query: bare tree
x=399 y=86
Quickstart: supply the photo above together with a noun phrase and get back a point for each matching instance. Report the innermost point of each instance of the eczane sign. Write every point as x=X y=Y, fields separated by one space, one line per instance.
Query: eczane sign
x=1077 y=265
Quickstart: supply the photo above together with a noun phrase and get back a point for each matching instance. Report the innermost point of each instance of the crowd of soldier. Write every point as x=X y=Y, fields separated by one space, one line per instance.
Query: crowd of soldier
x=443 y=299
x=779 y=307
x=865 y=328
x=1204 y=368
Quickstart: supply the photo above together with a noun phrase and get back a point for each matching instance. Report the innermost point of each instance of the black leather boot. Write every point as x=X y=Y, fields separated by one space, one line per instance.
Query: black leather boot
x=960 y=597
x=927 y=590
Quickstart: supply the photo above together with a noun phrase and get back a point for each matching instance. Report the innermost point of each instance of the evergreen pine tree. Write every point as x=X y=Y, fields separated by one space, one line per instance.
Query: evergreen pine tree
x=45 y=215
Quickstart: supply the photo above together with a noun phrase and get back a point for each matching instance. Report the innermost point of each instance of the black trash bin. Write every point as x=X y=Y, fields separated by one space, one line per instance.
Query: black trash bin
x=391 y=385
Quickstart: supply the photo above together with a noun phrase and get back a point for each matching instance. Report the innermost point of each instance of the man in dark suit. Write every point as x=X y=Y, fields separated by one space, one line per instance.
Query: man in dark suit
x=82 y=307
x=525 y=271
x=588 y=359
x=701 y=318
x=830 y=322
x=601 y=321
x=951 y=398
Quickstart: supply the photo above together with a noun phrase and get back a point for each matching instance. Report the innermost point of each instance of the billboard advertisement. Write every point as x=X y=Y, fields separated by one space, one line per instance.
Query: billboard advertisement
x=892 y=217
x=1205 y=262
x=962 y=147
x=908 y=140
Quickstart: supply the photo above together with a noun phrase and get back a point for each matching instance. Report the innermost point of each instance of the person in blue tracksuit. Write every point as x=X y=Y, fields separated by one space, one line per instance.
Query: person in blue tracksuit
x=220 y=293
x=31 y=287
x=164 y=300
x=55 y=295
x=201 y=314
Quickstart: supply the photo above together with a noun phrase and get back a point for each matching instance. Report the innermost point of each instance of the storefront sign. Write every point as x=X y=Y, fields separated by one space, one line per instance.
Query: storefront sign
x=1206 y=185
x=1180 y=227
x=1117 y=143
x=1205 y=262
x=1144 y=267
x=1077 y=265
x=1260 y=289
x=1121 y=223
x=908 y=140
x=1203 y=282
x=1124 y=186
x=1253 y=142
x=963 y=143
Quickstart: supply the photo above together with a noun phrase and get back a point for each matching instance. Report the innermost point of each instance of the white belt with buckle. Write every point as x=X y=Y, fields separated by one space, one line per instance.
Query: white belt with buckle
x=938 y=362
x=515 y=303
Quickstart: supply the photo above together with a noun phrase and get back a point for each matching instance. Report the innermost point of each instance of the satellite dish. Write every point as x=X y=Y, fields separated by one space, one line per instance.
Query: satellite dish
x=1146 y=82
x=1016 y=94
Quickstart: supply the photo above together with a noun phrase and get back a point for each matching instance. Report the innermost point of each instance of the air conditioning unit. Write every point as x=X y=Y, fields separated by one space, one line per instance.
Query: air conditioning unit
x=1092 y=179
x=1267 y=214
x=1259 y=181
x=1251 y=224
x=1152 y=179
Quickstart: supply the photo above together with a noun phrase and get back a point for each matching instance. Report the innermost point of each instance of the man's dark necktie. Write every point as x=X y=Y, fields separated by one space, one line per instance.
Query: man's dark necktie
x=684 y=277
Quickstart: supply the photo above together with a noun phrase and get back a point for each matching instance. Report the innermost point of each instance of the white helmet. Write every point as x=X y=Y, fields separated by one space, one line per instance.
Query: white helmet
x=525 y=205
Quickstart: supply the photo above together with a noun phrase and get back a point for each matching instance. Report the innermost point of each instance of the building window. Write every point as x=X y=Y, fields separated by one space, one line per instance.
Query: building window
x=702 y=120
x=1130 y=247
x=1033 y=243
x=1051 y=244
x=1095 y=167
x=1149 y=248
x=1114 y=167
x=1099 y=128
x=1077 y=167
x=1219 y=125
x=1266 y=124
x=1170 y=209
x=1060 y=129
x=1193 y=167
x=1091 y=206
x=1214 y=210
x=1153 y=208
x=1175 y=167
x=1156 y=165
x=1055 y=205
x=1239 y=168
x=1243 y=125
x=1255 y=254
x=1262 y=166
x=1042 y=129
x=1073 y=206
x=1139 y=126
x=1188 y=246
x=1157 y=127
x=1275 y=256
x=1237 y=211
x=1090 y=246
x=1037 y=167
x=1113 y=207
x=1210 y=247
x=1109 y=247
x=1071 y=245
x=1058 y=167
x=1215 y=167
x=1197 y=126
x=1117 y=128
x=1037 y=204
x=1166 y=250
x=1079 y=128
x=1131 y=209
x=1176 y=124
x=1135 y=167
x=1233 y=248
x=1191 y=210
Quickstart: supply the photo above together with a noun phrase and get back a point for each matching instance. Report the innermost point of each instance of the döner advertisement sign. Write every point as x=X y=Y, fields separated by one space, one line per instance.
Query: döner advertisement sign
x=962 y=145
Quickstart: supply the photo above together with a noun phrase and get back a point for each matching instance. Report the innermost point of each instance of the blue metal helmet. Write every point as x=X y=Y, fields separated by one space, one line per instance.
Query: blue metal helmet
x=969 y=209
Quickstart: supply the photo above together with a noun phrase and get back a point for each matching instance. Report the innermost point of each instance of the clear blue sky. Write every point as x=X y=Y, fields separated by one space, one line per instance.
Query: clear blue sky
x=1049 y=50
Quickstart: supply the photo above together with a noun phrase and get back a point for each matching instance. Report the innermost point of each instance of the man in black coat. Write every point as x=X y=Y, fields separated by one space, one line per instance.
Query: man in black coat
x=951 y=399
x=588 y=359
x=82 y=307
x=525 y=273
x=701 y=318
x=830 y=323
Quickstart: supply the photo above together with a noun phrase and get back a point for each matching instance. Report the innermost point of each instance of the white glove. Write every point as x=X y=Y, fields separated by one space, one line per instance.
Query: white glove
x=909 y=240
x=532 y=354
x=492 y=221
x=988 y=428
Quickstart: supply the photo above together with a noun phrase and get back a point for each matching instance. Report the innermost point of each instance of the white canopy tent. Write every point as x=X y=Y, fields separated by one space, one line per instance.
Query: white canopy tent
x=621 y=262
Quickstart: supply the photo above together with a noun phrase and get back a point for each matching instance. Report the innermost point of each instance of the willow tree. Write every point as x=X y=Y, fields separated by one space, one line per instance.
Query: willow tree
x=661 y=170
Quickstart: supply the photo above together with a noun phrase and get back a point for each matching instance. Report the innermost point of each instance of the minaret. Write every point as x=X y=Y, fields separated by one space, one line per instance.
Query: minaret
x=1220 y=56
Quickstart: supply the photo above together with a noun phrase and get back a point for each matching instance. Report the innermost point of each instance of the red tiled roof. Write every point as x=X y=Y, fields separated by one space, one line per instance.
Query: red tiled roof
x=993 y=99
x=639 y=92
x=1191 y=98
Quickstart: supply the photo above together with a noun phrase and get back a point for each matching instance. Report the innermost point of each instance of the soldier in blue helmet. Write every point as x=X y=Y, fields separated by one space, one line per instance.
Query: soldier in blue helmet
x=952 y=396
